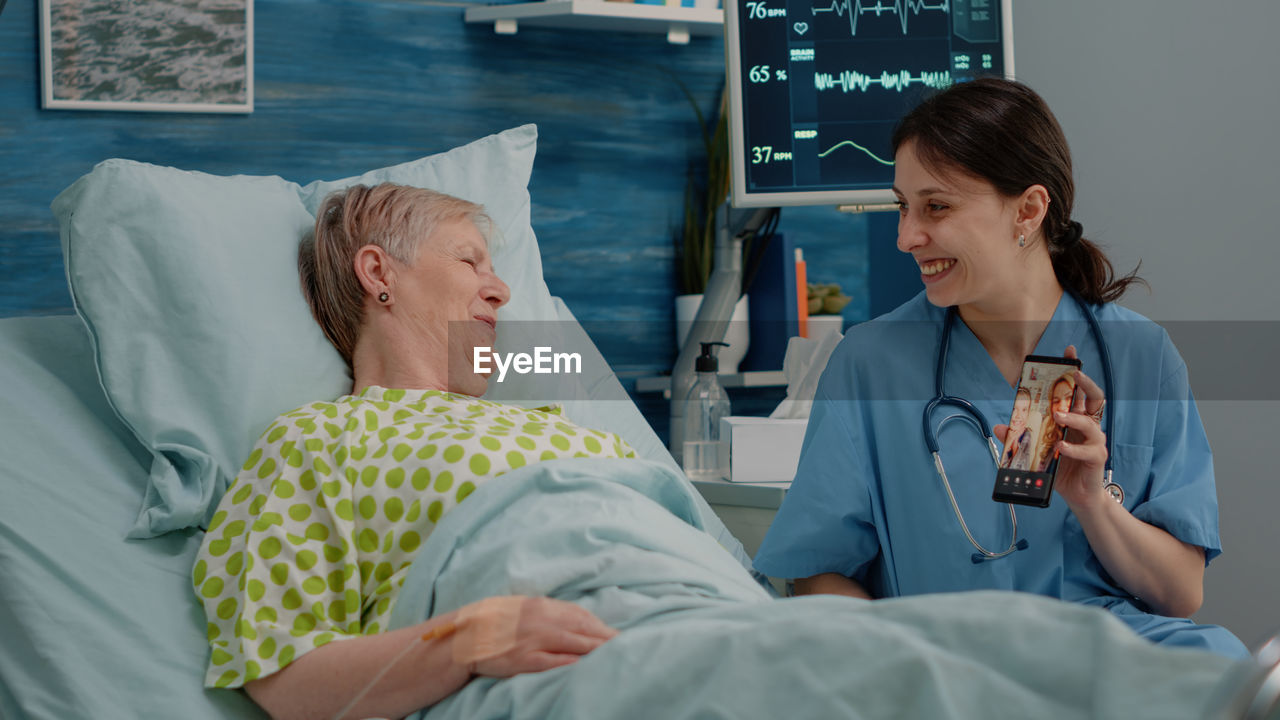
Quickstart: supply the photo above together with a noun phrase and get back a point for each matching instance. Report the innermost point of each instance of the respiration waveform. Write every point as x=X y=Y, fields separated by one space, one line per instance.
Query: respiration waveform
x=857 y=8
x=856 y=146
x=850 y=80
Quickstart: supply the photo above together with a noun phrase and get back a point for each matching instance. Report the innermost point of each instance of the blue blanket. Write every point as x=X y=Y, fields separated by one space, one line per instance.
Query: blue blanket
x=701 y=638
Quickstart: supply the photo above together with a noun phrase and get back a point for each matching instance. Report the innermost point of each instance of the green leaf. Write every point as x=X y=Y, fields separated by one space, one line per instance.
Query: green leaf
x=696 y=248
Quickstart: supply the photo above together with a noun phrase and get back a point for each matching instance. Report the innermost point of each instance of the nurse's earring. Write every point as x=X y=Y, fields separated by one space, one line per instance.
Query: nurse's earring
x=1022 y=241
x=383 y=297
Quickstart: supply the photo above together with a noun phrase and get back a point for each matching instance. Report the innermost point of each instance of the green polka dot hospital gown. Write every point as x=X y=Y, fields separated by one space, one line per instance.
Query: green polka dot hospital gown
x=313 y=540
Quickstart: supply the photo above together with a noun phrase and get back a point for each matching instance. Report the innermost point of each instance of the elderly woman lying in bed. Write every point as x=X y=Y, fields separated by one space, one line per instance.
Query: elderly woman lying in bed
x=307 y=551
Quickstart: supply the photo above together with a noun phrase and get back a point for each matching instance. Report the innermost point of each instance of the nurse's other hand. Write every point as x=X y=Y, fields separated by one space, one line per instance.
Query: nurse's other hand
x=1000 y=431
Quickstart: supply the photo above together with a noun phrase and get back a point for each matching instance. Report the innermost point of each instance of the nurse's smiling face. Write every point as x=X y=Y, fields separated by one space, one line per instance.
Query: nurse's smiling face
x=959 y=229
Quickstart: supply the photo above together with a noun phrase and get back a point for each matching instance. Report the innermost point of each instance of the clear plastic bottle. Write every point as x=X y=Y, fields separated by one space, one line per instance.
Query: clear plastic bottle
x=705 y=404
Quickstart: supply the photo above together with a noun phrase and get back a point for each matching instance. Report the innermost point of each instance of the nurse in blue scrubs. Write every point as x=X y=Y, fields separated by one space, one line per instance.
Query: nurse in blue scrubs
x=984 y=183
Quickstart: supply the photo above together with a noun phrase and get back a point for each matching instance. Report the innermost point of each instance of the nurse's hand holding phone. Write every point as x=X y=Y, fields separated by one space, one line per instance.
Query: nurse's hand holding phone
x=1083 y=450
x=1166 y=573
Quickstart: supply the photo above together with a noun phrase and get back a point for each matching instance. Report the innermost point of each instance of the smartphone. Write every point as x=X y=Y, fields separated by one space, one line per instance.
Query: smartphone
x=1029 y=463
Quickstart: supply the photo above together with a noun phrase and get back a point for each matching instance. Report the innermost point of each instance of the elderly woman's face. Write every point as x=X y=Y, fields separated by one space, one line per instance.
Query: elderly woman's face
x=454 y=296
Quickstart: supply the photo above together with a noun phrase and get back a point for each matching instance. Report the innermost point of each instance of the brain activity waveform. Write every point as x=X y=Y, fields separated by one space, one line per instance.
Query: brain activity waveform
x=856 y=146
x=851 y=80
x=858 y=8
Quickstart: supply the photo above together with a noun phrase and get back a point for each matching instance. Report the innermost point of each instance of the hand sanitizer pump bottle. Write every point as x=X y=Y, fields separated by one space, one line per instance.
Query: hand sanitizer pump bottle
x=705 y=404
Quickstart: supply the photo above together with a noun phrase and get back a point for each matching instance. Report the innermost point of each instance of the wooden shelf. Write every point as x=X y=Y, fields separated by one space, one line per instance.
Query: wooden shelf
x=677 y=23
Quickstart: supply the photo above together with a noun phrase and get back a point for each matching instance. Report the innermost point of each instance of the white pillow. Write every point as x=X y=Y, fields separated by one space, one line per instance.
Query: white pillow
x=188 y=285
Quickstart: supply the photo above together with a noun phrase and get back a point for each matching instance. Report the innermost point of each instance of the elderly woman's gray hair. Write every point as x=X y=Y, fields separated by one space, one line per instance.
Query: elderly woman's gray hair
x=396 y=218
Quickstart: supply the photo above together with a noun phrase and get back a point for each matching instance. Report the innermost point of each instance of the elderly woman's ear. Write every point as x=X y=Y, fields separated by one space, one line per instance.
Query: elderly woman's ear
x=374 y=268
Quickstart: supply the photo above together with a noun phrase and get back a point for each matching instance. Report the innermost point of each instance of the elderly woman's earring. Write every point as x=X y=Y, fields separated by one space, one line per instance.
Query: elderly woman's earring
x=383 y=297
x=1022 y=242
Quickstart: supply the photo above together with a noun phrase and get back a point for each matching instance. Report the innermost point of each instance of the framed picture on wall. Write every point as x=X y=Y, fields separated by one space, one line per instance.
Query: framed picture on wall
x=152 y=55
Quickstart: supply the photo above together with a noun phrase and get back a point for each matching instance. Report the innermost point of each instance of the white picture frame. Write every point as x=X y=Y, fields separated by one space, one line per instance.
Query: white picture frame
x=147 y=56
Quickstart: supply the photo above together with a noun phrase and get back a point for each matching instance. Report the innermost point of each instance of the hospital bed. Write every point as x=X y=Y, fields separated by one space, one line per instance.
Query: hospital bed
x=121 y=424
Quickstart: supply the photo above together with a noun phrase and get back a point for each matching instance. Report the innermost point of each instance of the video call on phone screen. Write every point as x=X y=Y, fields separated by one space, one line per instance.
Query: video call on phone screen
x=1029 y=461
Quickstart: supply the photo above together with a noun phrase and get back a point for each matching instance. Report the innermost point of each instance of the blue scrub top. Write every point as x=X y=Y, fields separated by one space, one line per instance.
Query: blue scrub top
x=867 y=501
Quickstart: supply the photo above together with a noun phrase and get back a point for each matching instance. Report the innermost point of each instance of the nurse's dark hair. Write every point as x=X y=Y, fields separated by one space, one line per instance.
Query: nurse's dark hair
x=1003 y=132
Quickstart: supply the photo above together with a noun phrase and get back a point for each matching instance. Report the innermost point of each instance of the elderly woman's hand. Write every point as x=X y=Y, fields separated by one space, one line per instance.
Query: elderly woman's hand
x=505 y=636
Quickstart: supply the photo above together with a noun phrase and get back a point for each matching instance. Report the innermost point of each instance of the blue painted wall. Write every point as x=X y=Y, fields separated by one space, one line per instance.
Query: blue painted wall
x=348 y=85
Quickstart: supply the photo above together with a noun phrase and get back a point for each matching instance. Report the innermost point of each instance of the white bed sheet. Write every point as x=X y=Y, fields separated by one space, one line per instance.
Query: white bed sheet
x=93 y=624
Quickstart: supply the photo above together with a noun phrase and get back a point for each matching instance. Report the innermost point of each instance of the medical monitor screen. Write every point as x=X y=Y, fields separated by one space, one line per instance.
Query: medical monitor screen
x=817 y=86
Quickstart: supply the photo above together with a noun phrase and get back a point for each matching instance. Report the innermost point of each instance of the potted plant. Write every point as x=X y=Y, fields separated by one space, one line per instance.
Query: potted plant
x=706 y=189
x=826 y=301
x=704 y=193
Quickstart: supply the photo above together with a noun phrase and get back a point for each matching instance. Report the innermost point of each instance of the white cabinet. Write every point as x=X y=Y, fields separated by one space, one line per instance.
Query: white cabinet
x=746 y=510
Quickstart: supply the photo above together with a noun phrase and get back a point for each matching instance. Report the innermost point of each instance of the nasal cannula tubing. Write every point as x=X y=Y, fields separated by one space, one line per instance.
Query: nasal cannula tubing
x=439 y=632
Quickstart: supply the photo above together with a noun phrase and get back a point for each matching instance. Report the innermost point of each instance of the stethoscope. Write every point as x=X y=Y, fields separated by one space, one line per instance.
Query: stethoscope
x=974 y=417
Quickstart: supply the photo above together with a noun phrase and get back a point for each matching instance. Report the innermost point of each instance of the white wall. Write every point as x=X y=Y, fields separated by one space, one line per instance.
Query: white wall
x=1172 y=109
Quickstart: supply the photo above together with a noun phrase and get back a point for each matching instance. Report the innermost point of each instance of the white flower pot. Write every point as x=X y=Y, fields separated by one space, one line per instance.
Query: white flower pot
x=821 y=325
x=737 y=335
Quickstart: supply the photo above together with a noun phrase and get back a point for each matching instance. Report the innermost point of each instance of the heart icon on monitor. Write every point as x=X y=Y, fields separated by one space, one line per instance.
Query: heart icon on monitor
x=801 y=28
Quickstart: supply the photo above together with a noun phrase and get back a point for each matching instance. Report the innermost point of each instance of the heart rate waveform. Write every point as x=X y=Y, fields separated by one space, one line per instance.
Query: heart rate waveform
x=855 y=146
x=857 y=8
x=850 y=80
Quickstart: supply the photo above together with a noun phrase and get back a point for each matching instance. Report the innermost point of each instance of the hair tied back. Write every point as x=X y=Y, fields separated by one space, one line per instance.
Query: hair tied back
x=1072 y=234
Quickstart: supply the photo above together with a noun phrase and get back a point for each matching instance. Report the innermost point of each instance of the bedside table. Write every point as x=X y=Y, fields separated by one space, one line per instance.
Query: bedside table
x=747 y=509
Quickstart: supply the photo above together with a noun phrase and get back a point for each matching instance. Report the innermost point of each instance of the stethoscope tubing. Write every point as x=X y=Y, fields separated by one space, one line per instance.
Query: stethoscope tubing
x=941 y=398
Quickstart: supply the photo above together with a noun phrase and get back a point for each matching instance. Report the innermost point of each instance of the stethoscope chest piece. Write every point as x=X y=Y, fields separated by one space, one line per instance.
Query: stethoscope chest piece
x=1115 y=491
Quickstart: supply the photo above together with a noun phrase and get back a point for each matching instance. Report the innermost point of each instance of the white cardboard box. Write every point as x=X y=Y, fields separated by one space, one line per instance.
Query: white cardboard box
x=761 y=449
